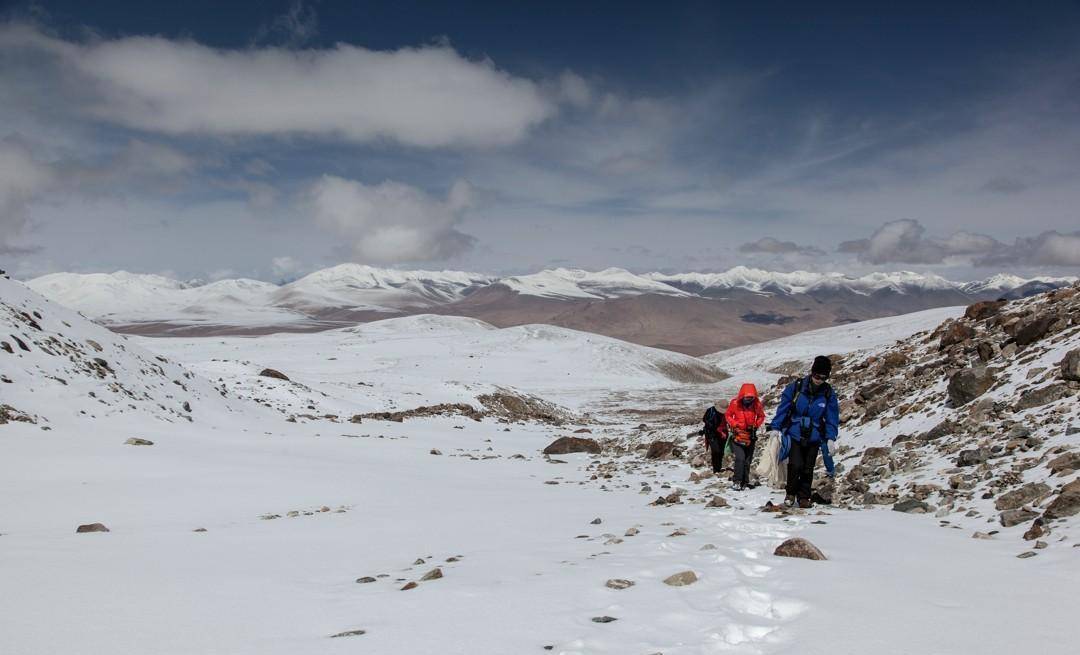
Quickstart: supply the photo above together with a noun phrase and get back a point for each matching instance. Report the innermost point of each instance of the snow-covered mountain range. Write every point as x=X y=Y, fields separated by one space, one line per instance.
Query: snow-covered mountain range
x=678 y=311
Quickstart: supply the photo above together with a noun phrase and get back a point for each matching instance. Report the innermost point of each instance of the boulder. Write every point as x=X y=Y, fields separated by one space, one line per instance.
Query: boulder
x=940 y=430
x=1036 y=530
x=1066 y=462
x=433 y=574
x=968 y=384
x=566 y=445
x=1067 y=504
x=1042 y=396
x=91 y=527
x=911 y=506
x=983 y=310
x=662 y=450
x=681 y=579
x=956 y=333
x=1028 y=494
x=1011 y=517
x=1031 y=331
x=1070 y=366
x=717 y=501
x=271 y=373
x=985 y=350
x=972 y=457
x=799 y=547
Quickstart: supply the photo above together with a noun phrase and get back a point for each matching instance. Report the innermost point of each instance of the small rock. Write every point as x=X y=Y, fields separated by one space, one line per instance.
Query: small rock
x=1070 y=366
x=349 y=633
x=679 y=532
x=436 y=451
x=619 y=584
x=199 y=530
x=1036 y=530
x=271 y=373
x=1039 y=545
x=708 y=547
x=662 y=450
x=137 y=441
x=91 y=527
x=595 y=521
x=409 y=585
x=799 y=547
x=603 y=619
x=367 y=579
x=681 y=579
x=981 y=535
x=717 y=501
x=1027 y=554
x=433 y=574
x=972 y=457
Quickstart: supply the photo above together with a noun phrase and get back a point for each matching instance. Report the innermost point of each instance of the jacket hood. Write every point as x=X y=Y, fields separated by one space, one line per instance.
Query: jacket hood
x=748 y=390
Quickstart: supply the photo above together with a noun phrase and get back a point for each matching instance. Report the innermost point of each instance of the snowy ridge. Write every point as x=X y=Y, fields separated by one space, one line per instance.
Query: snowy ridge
x=123 y=297
x=576 y=283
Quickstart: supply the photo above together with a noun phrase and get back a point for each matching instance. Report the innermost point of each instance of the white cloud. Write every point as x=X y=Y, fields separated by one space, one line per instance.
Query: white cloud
x=22 y=179
x=426 y=96
x=1047 y=249
x=286 y=267
x=902 y=242
x=773 y=246
x=392 y=222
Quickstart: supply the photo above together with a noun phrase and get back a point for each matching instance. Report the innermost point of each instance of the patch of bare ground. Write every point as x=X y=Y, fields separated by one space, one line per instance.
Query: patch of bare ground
x=690 y=373
x=505 y=406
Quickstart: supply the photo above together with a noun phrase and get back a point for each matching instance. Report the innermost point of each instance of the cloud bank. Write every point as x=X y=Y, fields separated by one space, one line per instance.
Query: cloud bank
x=769 y=245
x=391 y=222
x=22 y=179
x=426 y=96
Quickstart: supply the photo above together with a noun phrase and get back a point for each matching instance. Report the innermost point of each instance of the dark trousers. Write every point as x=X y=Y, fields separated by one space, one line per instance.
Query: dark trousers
x=743 y=456
x=716 y=452
x=800 y=468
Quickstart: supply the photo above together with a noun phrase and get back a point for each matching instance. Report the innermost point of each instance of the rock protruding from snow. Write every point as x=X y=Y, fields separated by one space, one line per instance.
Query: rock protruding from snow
x=567 y=445
x=799 y=547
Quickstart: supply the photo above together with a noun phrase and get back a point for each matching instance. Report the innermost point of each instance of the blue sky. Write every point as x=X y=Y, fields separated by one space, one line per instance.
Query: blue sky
x=268 y=139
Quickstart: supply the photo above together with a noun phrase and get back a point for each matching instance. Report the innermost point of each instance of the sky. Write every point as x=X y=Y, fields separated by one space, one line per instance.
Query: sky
x=269 y=139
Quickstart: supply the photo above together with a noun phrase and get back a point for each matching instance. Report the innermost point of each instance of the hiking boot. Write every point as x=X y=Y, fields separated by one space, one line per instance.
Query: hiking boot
x=805 y=503
x=738 y=486
x=789 y=501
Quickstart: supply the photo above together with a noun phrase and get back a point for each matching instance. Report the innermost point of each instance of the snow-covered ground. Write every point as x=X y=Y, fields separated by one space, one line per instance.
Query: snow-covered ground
x=524 y=565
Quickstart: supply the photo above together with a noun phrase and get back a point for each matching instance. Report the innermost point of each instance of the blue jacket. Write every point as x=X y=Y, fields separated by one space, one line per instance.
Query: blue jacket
x=820 y=414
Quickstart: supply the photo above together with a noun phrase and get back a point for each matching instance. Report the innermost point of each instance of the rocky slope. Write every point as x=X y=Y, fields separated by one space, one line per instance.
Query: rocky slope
x=976 y=421
x=55 y=364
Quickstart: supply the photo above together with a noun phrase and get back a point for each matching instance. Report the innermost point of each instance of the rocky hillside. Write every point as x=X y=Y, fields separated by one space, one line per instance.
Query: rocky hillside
x=56 y=365
x=976 y=422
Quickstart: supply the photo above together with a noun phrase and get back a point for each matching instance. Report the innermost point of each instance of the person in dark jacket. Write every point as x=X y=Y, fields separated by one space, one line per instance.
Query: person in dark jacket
x=715 y=435
x=807 y=416
x=744 y=416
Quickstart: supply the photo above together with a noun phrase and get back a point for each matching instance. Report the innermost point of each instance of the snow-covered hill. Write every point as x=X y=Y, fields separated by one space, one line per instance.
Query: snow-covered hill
x=56 y=366
x=422 y=360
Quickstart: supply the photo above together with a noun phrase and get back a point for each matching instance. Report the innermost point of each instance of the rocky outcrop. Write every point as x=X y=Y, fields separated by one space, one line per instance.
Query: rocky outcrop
x=968 y=384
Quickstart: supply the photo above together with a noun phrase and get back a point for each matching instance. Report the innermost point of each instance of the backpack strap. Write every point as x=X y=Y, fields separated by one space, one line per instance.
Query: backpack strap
x=794 y=404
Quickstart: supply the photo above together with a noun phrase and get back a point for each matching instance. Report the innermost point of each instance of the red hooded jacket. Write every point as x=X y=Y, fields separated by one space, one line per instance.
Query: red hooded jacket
x=741 y=420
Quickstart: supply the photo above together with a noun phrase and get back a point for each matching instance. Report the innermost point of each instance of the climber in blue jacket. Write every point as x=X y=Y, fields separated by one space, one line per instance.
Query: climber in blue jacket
x=808 y=417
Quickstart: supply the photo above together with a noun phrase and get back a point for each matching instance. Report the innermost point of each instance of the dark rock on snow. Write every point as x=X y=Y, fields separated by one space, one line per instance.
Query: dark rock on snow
x=968 y=384
x=271 y=373
x=566 y=445
x=799 y=547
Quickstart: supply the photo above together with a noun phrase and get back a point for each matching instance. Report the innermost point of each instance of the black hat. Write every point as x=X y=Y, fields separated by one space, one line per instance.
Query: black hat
x=822 y=366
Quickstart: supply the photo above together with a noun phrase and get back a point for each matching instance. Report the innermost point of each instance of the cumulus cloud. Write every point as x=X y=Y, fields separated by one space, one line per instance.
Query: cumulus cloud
x=1047 y=249
x=22 y=179
x=392 y=222
x=903 y=242
x=427 y=96
x=773 y=246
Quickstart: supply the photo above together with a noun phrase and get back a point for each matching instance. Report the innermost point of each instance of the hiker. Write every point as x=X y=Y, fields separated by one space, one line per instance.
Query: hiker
x=744 y=416
x=715 y=434
x=807 y=417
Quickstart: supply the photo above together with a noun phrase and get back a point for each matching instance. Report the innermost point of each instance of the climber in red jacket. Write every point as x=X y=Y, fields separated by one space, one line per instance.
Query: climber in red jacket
x=744 y=416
